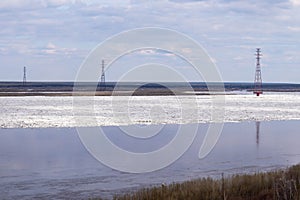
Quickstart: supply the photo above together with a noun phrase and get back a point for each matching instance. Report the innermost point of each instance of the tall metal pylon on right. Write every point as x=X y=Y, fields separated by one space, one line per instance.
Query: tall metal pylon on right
x=258 y=81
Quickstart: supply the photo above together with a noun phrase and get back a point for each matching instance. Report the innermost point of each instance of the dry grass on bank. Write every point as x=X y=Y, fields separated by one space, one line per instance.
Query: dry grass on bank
x=281 y=185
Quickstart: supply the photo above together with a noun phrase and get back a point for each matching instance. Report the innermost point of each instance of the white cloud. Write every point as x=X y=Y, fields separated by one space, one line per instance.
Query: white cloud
x=238 y=58
x=155 y=52
x=147 y=52
x=294 y=28
x=217 y=26
x=52 y=49
x=50 y=46
x=295 y=2
x=33 y=4
x=12 y=4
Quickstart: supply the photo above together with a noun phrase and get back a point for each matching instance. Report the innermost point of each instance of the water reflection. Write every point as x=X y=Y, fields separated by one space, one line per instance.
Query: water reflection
x=257 y=123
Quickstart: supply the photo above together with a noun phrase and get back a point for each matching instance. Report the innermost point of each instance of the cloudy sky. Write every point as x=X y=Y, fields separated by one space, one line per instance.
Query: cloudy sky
x=53 y=37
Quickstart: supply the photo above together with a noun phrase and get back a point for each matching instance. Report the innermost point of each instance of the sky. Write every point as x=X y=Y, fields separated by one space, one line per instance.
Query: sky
x=52 y=38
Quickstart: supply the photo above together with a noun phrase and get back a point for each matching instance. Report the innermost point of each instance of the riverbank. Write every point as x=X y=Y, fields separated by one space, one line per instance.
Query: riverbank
x=280 y=184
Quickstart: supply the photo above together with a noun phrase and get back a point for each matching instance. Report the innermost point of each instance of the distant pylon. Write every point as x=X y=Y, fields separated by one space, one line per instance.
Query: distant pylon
x=24 y=75
x=102 y=83
x=257 y=80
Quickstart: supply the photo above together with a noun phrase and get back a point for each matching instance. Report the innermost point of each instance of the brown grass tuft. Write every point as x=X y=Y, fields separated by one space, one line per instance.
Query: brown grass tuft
x=280 y=184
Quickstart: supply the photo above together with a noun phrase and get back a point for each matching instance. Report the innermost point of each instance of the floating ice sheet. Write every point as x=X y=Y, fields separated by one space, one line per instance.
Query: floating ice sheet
x=42 y=112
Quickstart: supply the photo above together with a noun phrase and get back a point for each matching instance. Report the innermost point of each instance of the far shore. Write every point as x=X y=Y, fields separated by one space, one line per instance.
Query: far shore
x=152 y=92
x=136 y=88
x=138 y=92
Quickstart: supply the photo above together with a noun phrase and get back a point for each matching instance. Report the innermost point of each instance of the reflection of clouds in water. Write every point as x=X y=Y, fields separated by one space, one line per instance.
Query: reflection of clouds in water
x=41 y=149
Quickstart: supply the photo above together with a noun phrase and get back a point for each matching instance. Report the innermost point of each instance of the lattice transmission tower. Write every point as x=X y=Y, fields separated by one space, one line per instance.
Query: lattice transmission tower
x=257 y=80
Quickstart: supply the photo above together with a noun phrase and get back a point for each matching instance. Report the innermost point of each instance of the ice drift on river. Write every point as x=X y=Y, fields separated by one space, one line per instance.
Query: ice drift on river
x=41 y=111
